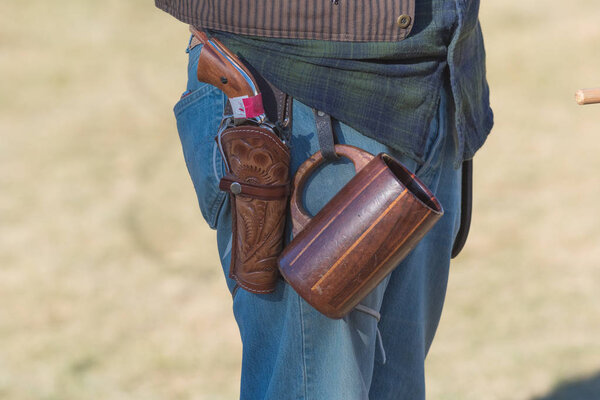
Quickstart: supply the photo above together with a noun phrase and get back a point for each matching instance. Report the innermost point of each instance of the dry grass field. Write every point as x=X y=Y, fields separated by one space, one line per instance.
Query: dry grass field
x=110 y=286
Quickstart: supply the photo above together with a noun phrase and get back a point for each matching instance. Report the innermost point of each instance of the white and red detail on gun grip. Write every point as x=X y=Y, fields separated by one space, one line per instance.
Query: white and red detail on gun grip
x=247 y=106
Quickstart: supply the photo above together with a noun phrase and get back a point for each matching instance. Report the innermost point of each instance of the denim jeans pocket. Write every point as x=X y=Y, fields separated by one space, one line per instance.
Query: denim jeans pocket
x=198 y=116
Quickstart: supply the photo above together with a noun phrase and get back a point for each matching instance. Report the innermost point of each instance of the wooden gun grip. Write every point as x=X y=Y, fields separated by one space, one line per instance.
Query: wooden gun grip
x=221 y=68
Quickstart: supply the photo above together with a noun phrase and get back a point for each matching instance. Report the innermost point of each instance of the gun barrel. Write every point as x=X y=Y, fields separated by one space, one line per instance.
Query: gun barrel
x=588 y=96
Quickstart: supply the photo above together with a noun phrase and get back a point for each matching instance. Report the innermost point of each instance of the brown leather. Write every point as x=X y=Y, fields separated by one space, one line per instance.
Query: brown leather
x=300 y=218
x=325 y=134
x=257 y=160
x=277 y=104
x=283 y=102
x=340 y=255
x=252 y=190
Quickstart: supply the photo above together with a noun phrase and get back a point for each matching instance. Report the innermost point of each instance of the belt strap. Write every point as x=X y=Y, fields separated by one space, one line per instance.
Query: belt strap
x=326 y=135
x=277 y=104
x=263 y=192
x=466 y=207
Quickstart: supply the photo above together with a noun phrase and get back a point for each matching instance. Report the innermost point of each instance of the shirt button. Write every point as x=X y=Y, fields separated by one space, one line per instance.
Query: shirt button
x=403 y=21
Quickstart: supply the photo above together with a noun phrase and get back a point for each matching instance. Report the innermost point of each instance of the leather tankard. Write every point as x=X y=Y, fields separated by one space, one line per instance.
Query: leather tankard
x=341 y=254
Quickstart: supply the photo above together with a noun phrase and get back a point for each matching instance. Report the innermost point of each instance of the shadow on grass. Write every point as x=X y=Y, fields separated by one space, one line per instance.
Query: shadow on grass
x=578 y=389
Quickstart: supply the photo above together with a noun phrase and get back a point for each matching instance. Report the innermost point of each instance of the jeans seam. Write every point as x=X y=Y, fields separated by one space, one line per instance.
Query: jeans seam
x=304 y=368
x=220 y=196
x=234 y=291
x=216 y=206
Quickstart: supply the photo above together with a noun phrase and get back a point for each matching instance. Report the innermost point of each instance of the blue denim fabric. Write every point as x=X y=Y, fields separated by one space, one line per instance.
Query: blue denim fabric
x=198 y=115
x=291 y=351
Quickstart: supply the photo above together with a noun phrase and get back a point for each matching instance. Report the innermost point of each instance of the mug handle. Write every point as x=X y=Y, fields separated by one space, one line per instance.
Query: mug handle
x=300 y=217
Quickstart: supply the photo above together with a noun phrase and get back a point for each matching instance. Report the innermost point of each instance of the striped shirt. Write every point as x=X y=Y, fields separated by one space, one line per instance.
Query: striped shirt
x=350 y=20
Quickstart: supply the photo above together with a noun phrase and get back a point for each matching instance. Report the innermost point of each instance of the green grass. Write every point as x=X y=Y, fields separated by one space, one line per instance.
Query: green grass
x=110 y=285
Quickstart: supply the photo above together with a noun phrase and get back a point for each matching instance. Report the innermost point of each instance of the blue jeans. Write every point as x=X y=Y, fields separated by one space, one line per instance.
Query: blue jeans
x=291 y=351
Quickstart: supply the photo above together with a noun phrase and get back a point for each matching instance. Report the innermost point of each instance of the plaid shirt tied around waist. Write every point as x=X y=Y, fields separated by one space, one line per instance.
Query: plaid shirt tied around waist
x=377 y=65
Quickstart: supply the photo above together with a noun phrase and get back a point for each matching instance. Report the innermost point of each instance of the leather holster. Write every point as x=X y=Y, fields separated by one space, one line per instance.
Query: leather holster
x=258 y=181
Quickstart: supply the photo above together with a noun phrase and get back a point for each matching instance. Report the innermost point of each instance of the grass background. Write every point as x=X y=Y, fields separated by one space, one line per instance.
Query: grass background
x=110 y=285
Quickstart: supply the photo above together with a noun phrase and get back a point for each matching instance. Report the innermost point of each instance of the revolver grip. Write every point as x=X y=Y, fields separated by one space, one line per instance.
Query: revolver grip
x=221 y=68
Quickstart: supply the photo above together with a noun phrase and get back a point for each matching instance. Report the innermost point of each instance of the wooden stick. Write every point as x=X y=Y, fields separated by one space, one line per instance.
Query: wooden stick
x=588 y=96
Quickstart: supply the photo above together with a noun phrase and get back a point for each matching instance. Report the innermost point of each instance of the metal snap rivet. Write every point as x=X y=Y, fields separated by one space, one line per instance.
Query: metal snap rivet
x=404 y=21
x=235 y=188
x=320 y=113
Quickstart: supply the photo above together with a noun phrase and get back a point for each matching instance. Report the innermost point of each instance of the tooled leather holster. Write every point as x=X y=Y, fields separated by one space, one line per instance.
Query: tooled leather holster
x=258 y=181
x=257 y=161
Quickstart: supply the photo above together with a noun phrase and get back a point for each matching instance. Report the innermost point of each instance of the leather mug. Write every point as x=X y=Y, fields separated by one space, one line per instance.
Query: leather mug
x=340 y=255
